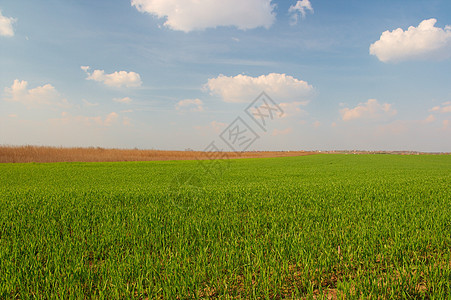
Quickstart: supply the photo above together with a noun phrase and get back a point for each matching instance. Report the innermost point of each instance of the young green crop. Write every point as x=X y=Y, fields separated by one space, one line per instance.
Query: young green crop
x=354 y=226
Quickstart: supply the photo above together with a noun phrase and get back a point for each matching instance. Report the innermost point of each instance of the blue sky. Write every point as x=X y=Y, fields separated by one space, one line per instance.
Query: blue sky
x=174 y=74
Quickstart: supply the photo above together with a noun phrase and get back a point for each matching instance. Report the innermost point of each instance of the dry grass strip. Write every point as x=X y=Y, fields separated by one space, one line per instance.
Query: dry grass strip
x=44 y=154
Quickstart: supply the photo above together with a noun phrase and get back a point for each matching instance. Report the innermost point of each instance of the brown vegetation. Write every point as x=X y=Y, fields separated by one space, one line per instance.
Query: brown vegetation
x=43 y=154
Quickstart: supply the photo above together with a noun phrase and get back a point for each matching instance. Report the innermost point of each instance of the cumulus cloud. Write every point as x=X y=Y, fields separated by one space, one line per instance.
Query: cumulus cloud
x=116 y=79
x=443 y=108
x=301 y=7
x=190 y=104
x=243 y=88
x=41 y=95
x=416 y=43
x=6 y=25
x=124 y=100
x=372 y=109
x=189 y=15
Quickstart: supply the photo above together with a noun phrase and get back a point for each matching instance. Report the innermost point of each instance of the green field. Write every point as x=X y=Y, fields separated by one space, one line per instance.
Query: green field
x=353 y=226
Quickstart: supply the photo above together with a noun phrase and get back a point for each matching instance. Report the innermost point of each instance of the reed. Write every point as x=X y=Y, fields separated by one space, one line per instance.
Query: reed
x=45 y=154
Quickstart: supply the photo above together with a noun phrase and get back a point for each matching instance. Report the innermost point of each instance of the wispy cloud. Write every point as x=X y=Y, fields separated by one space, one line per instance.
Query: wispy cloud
x=89 y=104
x=291 y=109
x=41 y=95
x=429 y=119
x=125 y=100
x=301 y=7
x=372 y=110
x=443 y=108
x=190 y=105
x=285 y=131
x=213 y=126
x=67 y=118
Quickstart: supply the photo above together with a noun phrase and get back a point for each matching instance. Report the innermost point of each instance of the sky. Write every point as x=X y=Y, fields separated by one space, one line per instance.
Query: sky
x=189 y=74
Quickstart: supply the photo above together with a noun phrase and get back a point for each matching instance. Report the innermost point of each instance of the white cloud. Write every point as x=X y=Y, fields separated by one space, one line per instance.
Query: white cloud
x=190 y=104
x=416 y=43
x=243 y=88
x=301 y=7
x=372 y=109
x=116 y=79
x=444 y=108
x=189 y=15
x=41 y=95
x=124 y=100
x=6 y=25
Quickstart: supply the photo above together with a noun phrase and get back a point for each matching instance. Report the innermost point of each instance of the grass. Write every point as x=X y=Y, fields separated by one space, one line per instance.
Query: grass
x=44 y=154
x=321 y=226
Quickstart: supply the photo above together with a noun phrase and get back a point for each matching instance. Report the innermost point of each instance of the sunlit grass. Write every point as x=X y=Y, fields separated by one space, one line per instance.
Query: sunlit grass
x=325 y=225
